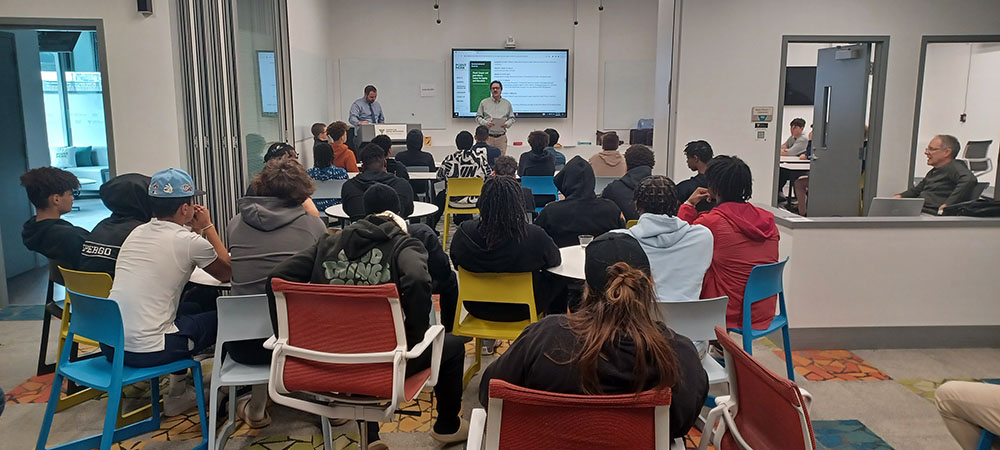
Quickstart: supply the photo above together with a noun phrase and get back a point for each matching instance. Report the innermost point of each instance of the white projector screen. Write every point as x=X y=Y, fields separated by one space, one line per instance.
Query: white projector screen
x=534 y=81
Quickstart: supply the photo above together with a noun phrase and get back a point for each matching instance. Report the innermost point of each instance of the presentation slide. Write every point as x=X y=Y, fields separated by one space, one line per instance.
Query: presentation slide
x=534 y=81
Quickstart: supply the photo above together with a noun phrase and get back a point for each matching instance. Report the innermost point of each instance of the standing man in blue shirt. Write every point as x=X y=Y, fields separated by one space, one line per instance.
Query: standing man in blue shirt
x=366 y=110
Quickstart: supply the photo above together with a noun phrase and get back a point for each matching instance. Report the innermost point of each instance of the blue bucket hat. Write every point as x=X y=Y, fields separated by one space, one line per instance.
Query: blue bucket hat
x=172 y=183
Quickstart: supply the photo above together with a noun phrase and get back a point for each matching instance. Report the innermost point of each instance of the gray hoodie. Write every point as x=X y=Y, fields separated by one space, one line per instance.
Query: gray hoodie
x=262 y=235
x=678 y=253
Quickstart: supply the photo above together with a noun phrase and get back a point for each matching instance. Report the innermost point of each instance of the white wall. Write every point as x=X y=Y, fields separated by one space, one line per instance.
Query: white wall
x=309 y=36
x=944 y=96
x=730 y=57
x=143 y=75
x=402 y=29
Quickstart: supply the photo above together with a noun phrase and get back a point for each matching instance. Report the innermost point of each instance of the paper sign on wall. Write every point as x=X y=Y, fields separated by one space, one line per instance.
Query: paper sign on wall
x=428 y=90
x=761 y=114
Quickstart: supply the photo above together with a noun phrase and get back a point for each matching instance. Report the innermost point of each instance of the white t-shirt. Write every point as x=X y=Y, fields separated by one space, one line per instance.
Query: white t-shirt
x=154 y=263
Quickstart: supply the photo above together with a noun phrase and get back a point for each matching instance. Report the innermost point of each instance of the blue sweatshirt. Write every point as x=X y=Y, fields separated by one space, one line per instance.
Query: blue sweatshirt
x=679 y=254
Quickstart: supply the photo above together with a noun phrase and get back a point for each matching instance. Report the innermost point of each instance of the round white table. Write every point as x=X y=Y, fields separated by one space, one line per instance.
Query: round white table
x=420 y=209
x=573 y=258
x=199 y=276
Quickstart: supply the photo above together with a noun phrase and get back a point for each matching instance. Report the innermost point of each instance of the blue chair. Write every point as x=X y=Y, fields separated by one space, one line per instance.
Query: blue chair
x=540 y=185
x=986 y=440
x=765 y=282
x=100 y=319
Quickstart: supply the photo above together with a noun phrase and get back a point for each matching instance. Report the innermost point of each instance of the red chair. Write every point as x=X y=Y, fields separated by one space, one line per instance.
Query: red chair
x=346 y=346
x=526 y=419
x=764 y=410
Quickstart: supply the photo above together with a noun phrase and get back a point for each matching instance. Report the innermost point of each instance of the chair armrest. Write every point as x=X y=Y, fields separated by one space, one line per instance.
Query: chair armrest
x=477 y=429
x=434 y=337
x=271 y=342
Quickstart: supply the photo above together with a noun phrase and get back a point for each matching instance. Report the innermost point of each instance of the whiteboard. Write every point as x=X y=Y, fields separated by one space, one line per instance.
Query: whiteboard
x=399 y=89
x=628 y=93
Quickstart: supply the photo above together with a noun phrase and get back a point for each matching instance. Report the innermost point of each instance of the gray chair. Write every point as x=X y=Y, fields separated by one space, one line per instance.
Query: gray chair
x=328 y=189
x=979 y=189
x=603 y=182
x=975 y=156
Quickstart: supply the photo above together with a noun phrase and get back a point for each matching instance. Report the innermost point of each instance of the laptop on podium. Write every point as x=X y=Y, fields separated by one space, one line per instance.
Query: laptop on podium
x=897 y=207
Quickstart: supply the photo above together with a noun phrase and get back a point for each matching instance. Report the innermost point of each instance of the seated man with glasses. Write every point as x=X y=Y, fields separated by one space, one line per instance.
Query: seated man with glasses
x=948 y=182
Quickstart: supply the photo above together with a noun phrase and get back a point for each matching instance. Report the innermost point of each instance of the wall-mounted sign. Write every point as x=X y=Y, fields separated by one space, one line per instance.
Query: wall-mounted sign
x=761 y=114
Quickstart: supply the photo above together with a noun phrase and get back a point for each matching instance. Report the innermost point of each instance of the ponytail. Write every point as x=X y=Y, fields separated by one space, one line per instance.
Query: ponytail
x=622 y=311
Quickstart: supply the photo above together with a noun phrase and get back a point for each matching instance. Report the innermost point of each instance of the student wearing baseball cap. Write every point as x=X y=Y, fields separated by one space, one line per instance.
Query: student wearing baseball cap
x=154 y=263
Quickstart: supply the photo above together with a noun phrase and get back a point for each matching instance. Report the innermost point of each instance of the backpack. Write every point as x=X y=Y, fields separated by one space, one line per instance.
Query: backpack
x=976 y=208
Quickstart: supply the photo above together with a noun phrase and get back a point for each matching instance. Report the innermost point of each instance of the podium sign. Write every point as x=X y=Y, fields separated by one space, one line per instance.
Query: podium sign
x=395 y=131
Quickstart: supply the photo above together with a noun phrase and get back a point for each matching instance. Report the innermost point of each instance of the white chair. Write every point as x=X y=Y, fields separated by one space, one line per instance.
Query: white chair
x=975 y=155
x=328 y=189
x=697 y=320
x=602 y=182
x=241 y=317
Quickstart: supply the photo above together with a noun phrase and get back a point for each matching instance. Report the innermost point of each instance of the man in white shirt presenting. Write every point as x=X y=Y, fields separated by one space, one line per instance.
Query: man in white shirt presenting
x=154 y=264
x=496 y=113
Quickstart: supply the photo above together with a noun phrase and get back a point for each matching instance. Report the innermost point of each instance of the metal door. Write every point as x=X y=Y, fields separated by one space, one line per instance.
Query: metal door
x=839 y=130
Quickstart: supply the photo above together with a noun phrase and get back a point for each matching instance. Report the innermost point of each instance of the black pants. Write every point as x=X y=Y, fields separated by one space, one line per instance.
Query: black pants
x=449 y=385
x=448 y=291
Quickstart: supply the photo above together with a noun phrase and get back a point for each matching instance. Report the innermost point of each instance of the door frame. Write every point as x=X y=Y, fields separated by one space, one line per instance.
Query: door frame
x=96 y=25
x=938 y=39
x=879 y=70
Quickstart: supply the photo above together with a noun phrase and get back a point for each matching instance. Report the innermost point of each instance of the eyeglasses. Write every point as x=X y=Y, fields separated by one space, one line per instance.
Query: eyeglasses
x=932 y=149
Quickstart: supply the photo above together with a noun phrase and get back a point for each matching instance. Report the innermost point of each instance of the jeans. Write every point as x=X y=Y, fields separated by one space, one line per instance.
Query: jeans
x=195 y=332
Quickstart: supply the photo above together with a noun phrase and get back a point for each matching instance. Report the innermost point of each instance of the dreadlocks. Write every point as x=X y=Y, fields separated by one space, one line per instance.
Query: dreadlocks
x=501 y=211
x=656 y=194
x=729 y=179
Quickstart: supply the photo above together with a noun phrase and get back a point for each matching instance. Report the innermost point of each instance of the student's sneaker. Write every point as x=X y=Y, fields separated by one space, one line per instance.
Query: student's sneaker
x=176 y=405
x=378 y=445
x=461 y=435
x=489 y=346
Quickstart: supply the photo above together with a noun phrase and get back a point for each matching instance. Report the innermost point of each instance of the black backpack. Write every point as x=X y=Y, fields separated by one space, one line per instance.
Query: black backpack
x=975 y=208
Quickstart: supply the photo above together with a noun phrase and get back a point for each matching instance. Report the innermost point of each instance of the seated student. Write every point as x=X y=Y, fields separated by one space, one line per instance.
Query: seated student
x=499 y=241
x=560 y=159
x=406 y=265
x=639 y=160
x=537 y=161
x=948 y=182
x=743 y=235
x=373 y=161
x=967 y=409
x=609 y=162
x=698 y=153
x=51 y=191
x=268 y=228
x=379 y=198
x=580 y=211
x=466 y=162
x=391 y=164
x=506 y=167
x=612 y=345
x=324 y=170
x=319 y=137
x=154 y=264
x=413 y=156
x=284 y=150
x=126 y=196
x=343 y=156
x=679 y=252
x=483 y=134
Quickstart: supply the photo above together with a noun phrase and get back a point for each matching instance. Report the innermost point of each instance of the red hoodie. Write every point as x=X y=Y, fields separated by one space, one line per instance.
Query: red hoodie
x=745 y=236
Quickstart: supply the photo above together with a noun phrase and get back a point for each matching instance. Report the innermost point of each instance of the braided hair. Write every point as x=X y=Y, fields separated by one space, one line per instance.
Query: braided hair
x=656 y=194
x=729 y=179
x=501 y=212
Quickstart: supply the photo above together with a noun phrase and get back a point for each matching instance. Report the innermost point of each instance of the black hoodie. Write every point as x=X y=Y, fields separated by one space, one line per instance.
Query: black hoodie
x=351 y=256
x=540 y=163
x=354 y=189
x=621 y=190
x=542 y=358
x=580 y=212
x=127 y=196
x=55 y=239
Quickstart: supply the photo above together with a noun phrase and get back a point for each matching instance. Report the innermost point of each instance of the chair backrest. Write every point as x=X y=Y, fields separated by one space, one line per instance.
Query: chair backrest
x=524 y=419
x=96 y=318
x=976 y=149
x=243 y=317
x=418 y=168
x=464 y=187
x=540 y=185
x=631 y=223
x=695 y=319
x=342 y=320
x=771 y=411
x=601 y=183
x=328 y=188
x=764 y=282
x=96 y=284
x=979 y=189
x=516 y=288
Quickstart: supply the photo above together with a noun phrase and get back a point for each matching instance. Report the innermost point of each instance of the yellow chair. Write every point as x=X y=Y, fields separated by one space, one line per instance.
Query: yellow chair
x=631 y=223
x=459 y=187
x=97 y=284
x=508 y=288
